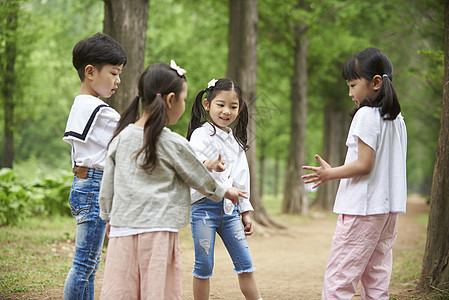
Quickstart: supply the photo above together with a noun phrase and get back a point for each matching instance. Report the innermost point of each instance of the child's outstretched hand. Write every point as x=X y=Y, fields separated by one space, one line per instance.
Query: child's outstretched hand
x=321 y=174
x=217 y=165
x=233 y=194
x=247 y=223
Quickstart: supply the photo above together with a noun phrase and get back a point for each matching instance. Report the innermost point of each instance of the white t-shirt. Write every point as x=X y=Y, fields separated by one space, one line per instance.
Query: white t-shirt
x=207 y=146
x=384 y=190
x=90 y=127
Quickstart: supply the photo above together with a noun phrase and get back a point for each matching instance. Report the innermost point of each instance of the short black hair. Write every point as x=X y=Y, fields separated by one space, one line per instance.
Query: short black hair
x=97 y=50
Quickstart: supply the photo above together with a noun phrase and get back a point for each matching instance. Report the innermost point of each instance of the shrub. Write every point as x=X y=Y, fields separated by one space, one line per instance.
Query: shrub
x=20 y=199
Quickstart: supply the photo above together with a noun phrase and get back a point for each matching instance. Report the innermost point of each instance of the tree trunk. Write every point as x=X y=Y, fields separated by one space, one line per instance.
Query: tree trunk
x=435 y=272
x=276 y=177
x=9 y=81
x=242 y=67
x=126 y=21
x=336 y=122
x=262 y=167
x=295 y=200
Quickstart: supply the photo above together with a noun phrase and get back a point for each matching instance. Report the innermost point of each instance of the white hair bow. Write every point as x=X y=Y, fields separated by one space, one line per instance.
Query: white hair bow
x=212 y=83
x=177 y=68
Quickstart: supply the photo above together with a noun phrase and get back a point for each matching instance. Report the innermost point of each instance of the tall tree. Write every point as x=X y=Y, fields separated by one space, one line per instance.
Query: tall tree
x=10 y=24
x=435 y=272
x=242 y=67
x=295 y=199
x=126 y=21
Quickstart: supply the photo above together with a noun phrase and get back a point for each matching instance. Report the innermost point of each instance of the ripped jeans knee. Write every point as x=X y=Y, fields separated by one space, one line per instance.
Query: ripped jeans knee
x=207 y=220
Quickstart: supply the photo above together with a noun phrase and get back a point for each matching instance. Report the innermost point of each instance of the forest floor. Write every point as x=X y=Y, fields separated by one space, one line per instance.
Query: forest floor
x=290 y=262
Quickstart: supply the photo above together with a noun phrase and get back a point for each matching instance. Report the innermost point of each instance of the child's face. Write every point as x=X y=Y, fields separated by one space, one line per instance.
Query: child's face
x=223 y=109
x=360 y=89
x=178 y=106
x=105 y=82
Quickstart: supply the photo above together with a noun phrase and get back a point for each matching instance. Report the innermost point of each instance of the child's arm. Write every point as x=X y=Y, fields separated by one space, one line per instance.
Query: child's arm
x=247 y=223
x=217 y=165
x=362 y=166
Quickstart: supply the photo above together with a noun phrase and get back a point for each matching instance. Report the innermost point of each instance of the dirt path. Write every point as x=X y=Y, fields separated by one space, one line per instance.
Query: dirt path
x=290 y=263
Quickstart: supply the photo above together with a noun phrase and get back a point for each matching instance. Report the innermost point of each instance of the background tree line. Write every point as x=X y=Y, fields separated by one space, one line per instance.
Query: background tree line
x=299 y=100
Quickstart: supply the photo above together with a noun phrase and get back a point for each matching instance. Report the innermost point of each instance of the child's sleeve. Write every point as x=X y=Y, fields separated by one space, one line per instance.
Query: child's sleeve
x=107 y=182
x=107 y=121
x=242 y=181
x=365 y=126
x=194 y=173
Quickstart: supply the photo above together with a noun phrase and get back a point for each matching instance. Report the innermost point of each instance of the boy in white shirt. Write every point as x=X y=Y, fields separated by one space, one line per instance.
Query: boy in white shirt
x=99 y=61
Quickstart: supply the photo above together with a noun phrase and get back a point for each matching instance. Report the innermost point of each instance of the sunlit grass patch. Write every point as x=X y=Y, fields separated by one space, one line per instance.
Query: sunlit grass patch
x=31 y=258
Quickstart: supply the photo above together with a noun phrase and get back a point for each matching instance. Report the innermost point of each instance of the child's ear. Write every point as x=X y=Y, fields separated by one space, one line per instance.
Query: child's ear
x=89 y=71
x=169 y=99
x=377 y=82
x=206 y=104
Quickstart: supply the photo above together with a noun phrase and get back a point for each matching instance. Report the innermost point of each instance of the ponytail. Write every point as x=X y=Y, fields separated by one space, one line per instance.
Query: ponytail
x=240 y=127
x=198 y=115
x=388 y=98
x=156 y=81
x=130 y=115
x=157 y=118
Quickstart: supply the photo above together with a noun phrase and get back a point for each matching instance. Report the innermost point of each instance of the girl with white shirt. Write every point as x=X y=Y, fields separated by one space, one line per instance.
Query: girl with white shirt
x=145 y=192
x=222 y=151
x=373 y=187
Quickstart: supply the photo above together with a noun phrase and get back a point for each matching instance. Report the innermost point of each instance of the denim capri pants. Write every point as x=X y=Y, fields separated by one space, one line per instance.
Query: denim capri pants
x=207 y=218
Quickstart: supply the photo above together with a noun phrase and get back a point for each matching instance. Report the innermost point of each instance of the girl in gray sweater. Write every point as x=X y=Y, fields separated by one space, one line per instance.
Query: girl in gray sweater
x=145 y=192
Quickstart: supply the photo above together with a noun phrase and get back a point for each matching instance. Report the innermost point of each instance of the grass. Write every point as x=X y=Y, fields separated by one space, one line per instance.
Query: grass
x=31 y=257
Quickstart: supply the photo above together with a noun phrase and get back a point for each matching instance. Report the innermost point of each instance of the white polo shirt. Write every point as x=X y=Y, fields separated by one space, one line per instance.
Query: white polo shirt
x=90 y=127
x=207 y=146
x=384 y=190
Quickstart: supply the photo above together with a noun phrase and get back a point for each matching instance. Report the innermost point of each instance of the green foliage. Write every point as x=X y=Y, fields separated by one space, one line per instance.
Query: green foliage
x=16 y=199
x=20 y=199
x=54 y=192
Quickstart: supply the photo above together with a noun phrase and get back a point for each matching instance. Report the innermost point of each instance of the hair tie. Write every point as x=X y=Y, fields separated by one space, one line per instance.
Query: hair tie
x=158 y=94
x=385 y=75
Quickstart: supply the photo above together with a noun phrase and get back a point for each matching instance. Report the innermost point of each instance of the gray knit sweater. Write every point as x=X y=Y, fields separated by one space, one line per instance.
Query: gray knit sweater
x=131 y=197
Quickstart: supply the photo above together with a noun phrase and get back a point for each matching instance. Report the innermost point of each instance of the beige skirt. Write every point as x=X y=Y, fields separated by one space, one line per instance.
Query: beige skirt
x=143 y=266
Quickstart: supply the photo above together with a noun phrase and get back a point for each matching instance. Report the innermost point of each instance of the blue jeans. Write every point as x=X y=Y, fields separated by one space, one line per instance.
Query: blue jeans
x=207 y=218
x=90 y=231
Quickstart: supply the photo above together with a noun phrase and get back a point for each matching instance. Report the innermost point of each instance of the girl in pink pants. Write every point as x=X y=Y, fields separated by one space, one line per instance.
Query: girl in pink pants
x=373 y=186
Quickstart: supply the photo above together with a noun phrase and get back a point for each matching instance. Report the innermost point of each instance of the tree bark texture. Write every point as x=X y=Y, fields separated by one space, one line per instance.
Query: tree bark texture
x=126 y=21
x=295 y=199
x=336 y=123
x=9 y=81
x=242 y=67
x=435 y=272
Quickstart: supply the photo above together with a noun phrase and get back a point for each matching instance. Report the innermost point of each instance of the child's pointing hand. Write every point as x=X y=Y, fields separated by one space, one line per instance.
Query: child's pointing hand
x=321 y=174
x=217 y=165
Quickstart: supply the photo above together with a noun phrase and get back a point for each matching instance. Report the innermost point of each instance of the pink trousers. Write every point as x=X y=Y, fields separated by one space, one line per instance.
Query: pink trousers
x=143 y=266
x=361 y=250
